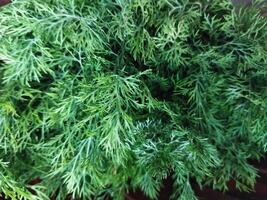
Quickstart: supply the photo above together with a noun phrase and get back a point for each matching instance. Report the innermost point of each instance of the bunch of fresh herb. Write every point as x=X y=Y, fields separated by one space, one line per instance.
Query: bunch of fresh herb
x=99 y=97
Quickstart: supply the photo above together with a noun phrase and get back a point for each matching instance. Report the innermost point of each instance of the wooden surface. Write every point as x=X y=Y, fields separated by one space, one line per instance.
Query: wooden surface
x=246 y=3
x=259 y=193
x=4 y=2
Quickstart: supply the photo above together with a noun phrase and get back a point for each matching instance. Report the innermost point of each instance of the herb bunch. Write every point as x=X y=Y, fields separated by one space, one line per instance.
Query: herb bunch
x=101 y=97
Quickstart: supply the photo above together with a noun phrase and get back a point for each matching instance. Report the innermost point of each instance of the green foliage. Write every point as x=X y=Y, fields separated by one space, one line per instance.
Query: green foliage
x=101 y=97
